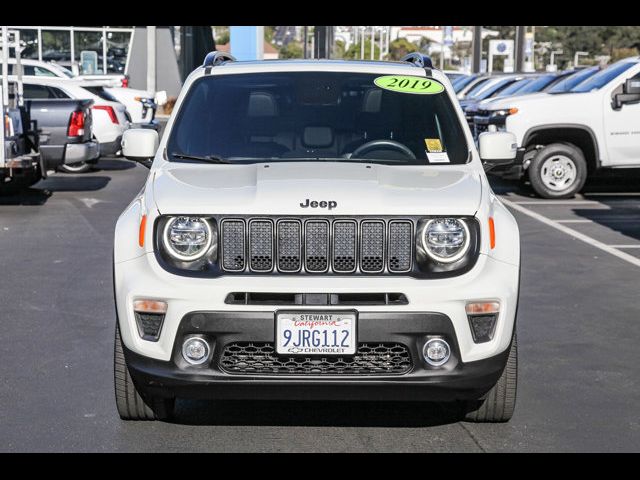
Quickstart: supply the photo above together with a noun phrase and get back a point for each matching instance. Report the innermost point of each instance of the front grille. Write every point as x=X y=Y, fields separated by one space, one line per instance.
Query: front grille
x=314 y=245
x=253 y=358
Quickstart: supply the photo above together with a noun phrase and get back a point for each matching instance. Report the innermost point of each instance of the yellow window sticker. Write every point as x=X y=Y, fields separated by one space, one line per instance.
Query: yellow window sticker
x=433 y=145
x=409 y=84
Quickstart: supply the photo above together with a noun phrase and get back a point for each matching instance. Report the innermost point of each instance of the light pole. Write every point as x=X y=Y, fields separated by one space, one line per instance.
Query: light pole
x=382 y=32
x=578 y=54
x=373 y=40
x=552 y=65
x=362 y=38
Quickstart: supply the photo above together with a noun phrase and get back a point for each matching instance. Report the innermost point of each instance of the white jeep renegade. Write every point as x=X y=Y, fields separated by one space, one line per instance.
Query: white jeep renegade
x=316 y=230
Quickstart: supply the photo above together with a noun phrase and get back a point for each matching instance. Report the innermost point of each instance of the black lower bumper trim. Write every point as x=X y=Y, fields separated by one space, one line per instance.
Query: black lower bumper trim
x=453 y=381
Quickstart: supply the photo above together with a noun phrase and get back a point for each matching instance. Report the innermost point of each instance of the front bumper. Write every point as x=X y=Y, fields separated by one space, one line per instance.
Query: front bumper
x=489 y=280
x=455 y=380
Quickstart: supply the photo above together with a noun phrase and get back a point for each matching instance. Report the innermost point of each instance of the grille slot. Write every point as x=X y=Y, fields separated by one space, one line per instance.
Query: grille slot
x=251 y=358
x=372 y=246
x=316 y=245
x=289 y=245
x=344 y=245
x=233 y=250
x=400 y=246
x=261 y=245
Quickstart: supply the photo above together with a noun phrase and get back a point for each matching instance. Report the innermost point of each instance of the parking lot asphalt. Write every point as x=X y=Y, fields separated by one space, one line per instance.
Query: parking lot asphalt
x=578 y=333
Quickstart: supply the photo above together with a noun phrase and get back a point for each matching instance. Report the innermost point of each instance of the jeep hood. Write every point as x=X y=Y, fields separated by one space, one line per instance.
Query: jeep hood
x=280 y=188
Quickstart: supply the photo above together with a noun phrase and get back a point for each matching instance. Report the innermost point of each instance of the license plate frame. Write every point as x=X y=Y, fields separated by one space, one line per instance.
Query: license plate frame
x=352 y=316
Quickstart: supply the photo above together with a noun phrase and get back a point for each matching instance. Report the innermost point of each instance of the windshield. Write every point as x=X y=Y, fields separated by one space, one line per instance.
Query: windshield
x=537 y=84
x=462 y=82
x=603 y=77
x=515 y=87
x=570 y=81
x=490 y=89
x=334 y=116
x=64 y=70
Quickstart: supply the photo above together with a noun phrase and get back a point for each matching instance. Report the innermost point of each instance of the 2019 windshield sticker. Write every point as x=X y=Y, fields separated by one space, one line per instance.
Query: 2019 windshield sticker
x=409 y=84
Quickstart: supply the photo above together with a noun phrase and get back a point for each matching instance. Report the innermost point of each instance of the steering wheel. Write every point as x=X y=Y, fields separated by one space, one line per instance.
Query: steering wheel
x=382 y=144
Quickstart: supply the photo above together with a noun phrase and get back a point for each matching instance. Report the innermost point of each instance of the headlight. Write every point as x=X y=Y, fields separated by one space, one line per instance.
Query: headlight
x=505 y=112
x=446 y=240
x=187 y=238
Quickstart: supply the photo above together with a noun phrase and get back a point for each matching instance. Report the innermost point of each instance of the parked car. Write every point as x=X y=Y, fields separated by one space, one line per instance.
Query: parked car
x=21 y=164
x=463 y=86
x=64 y=126
x=454 y=75
x=479 y=116
x=110 y=119
x=140 y=104
x=492 y=87
x=565 y=137
x=316 y=230
x=37 y=68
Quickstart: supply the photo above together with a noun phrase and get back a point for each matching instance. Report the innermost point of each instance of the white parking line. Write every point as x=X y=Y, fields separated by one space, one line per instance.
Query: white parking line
x=557 y=202
x=614 y=194
x=575 y=234
x=625 y=246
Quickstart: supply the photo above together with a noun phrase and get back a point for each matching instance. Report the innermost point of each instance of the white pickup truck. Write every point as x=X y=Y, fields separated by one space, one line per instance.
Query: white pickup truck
x=563 y=138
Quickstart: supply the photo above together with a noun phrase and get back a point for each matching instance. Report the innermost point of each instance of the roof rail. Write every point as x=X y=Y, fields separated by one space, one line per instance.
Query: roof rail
x=216 y=58
x=418 y=59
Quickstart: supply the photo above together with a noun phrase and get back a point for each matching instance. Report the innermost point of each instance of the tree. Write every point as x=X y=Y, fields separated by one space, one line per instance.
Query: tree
x=401 y=47
x=291 y=50
x=355 y=49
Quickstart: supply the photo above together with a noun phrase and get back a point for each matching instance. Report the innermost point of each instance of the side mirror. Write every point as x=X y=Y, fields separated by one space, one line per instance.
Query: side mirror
x=497 y=148
x=630 y=93
x=140 y=145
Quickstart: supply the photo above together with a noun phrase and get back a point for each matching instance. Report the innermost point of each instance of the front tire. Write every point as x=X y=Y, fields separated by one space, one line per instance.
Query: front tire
x=498 y=404
x=129 y=402
x=558 y=170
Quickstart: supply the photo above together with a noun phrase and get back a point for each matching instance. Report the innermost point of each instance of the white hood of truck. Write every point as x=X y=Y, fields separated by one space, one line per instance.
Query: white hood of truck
x=280 y=188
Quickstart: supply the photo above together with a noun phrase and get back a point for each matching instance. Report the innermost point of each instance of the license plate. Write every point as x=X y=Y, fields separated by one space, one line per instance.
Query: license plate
x=316 y=333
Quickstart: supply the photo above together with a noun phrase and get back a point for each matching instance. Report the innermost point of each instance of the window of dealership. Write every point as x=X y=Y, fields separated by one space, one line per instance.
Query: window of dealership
x=65 y=45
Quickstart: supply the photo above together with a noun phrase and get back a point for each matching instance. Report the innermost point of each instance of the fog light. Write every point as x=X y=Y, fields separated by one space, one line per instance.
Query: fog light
x=436 y=352
x=195 y=350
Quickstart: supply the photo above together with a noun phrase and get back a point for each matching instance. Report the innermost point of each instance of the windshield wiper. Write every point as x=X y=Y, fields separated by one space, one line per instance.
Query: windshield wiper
x=206 y=158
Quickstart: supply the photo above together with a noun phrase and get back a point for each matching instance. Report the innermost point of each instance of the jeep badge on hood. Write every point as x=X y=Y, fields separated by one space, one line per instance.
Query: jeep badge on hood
x=331 y=204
